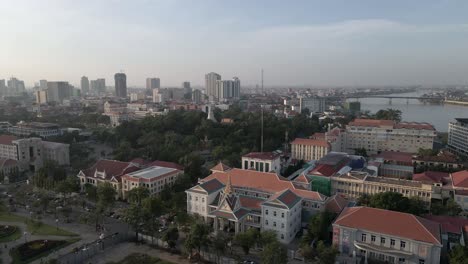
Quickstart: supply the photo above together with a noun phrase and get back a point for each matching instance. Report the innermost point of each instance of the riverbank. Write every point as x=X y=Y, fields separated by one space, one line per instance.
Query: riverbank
x=456 y=102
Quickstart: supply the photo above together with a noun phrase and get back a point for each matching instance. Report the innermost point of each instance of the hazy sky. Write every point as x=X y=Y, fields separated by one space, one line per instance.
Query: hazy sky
x=309 y=42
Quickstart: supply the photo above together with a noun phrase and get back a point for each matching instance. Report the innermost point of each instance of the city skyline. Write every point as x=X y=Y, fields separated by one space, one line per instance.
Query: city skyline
x=306 y=43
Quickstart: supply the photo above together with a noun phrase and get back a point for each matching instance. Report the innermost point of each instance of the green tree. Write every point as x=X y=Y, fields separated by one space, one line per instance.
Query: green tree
x=137 y=195
x=220 y=242
x=91 y=191
x=106 y=194
x=274 y=253
x=326 y=255
x=197 y=238
x=459 y=255
x=133 y=215
x=319 y=227
x=153 y=208
x=361 y=152
x=416 y=206
x=390 y=201
x=246 y=240
x=171 y=236
x=388 y=114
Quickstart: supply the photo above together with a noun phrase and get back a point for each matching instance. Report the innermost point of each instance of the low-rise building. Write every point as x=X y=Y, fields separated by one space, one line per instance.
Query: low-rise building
x=8 y=168
x=110 y=171
x=154 y=178
x=459 y=182
x=387 y=135
x=44 y=130
x=262 y=161
x=387 y=236
x=309 y=149
x=32 y=153
x=236 y=200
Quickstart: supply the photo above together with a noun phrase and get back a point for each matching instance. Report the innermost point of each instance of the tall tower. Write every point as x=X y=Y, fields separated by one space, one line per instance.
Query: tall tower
x=120 y=85
x=153 y=83
x=211 y=85
x=84 y=85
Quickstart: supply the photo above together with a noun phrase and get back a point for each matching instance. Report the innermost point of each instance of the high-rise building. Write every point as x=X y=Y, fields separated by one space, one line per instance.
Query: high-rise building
x=197 y=96
x=211 y=85
x=187 y=88
x=98 y=86
x=58 y=91
x=43 y=84
x=41 y=97
x=314 y=104
x=84 y=85
x=153 y=83
x=228 y=89
x=15 y=86
x=120 y=85
x=458 y=137
x=3 y=88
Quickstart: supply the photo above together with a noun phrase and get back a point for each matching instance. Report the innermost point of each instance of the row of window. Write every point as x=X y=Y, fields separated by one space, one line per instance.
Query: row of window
x=383 y=240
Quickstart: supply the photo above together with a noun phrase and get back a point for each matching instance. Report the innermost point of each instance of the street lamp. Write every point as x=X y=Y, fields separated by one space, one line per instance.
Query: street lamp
x=56 y=222
x=25 y=234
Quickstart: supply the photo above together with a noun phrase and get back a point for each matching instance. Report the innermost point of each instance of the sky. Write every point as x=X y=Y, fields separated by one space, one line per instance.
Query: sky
x=296 y=42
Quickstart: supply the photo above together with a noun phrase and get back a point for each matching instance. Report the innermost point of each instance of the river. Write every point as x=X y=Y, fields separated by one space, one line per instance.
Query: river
x=414 y=110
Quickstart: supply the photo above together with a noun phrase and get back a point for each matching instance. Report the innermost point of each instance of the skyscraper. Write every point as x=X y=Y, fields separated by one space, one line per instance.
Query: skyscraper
x=120 y=85
x=187 y=88
x=15 y=86
x=197 y=96
x=57 y=91
x=153 y=83
x=84 y=85
x=228 y=89
x=98 y=86
x=211 y=85
x=3 y=88
x=43 y=84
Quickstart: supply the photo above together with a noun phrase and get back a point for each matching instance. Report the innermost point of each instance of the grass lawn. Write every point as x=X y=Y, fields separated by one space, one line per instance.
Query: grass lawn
x=14 y=236
x=17 y=259
x=140 y=259
x=36 y=228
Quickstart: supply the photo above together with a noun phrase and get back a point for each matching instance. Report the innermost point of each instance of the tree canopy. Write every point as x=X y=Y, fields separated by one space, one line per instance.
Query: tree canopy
x=388 y=114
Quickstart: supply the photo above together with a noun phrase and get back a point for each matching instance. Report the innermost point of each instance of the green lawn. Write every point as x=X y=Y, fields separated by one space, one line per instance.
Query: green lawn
x=36 y=228
x=15 y=254
x=140 y=259
x=11 y=237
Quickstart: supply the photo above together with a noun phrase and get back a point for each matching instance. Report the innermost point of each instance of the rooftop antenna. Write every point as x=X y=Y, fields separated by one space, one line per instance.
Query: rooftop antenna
x=261 y=140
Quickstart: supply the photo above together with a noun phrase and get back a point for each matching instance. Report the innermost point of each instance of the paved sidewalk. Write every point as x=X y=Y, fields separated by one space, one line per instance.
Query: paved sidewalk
x=119 y=252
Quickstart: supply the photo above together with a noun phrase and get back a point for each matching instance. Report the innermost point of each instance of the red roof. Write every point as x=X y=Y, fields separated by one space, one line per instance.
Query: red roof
x=262 y=155
x=318 y=136
x=7 y=139
x=220 y=167
x=166 y=164
x=390 y=223
x=399 y=157
x=250 y=203
x=311 y=142
x=324 y=170
x=302 y=178
x=450 y=224
x=113 y=168
x=336 y=204
x=460 y=179
x=371 y=122
x=265 y=181
x=415 y=125
x=431 y=177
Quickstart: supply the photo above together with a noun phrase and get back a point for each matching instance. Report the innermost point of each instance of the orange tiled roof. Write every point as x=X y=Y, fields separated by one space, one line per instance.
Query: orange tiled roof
x=460 y=179
x=265 y=181
x=220 y=167
x=371 y=122
x=390 y=223
x=336 y=204
x=7 y=139
x=311 y=142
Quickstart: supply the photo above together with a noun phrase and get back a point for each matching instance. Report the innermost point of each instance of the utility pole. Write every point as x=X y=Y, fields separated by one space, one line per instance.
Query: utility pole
x=263 y=91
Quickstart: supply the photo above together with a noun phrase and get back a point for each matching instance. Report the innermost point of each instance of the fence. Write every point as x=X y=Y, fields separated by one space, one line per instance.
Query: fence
x=87 y=251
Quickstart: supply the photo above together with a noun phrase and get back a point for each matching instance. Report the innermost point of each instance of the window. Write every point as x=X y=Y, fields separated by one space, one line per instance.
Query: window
x=267 y=167
x=282 y=215
x=401 y=260
x=266 y=212
x=382 y=240
x=421 y=261
x=363 y=237
x=196 y=199
x=282 y=225
x=203 y=200
x=246 y=164
x=282 y=236
x=266 y=222
x=402 y=244
x=392 y=242
x=372 y=238
x=274 y=224
x=274 y=213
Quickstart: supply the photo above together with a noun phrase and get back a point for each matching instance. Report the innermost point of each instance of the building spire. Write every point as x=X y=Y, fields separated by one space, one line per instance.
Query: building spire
x=228 y=188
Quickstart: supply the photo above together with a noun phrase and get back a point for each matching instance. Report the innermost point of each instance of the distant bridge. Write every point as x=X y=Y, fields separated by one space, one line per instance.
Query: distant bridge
x=384 y=97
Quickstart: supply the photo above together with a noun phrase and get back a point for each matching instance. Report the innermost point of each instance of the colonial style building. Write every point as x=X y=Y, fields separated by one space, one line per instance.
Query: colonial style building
x=32 y=153
x=387 y=236
x=262 y=161
x=154 y=178
x=386 y=135
x=44 y=130
x=235 y=200
x=309 y=149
